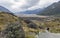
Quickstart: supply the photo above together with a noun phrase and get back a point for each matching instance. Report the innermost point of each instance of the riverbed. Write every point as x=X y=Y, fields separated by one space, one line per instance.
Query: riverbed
x=47 y=34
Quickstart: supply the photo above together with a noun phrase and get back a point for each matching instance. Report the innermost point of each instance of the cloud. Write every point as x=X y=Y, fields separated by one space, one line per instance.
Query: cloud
x=43 y=4
x=22 y=5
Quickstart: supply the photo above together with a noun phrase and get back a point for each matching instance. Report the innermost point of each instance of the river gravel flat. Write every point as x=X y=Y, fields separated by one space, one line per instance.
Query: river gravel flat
x=47 y=34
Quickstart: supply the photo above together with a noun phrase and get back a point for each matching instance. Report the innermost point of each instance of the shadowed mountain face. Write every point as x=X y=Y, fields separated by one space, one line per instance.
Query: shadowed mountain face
x=53 y=9
x=4 y=9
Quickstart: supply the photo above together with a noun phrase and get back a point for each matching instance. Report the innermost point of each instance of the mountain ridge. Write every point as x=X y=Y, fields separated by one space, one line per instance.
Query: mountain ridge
x=4 y=9
x=53 y=9
x=31 y=11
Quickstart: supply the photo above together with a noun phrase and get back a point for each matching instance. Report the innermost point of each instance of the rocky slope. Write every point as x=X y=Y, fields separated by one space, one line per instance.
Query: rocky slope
x=53 y=9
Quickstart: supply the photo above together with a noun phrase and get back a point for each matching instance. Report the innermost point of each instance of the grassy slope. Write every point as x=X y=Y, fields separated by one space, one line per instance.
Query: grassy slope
x=8 y=24
x=29 y=32
x=6 y=18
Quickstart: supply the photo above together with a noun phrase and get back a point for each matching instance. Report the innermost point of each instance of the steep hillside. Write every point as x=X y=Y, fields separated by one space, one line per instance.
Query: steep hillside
x=53 y=9
x=10 y=25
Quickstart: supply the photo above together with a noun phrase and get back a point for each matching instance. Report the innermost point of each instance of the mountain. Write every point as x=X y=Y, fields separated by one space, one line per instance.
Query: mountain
x=4 y=9
x=31 y=11
x=53 y=9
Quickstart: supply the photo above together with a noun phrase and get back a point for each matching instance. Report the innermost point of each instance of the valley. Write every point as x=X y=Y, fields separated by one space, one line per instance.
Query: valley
x=33 y=24
x=29 y=24
x=29 y=19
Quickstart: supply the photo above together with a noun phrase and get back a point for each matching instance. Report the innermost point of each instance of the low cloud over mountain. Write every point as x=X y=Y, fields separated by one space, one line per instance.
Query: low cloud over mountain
x=23 y=5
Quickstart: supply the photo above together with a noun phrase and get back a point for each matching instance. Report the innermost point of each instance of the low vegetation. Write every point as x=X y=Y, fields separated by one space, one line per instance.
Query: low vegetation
x=12 y=26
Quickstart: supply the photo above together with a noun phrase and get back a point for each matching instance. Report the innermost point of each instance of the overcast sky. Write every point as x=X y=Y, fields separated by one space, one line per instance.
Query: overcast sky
x=22 y=5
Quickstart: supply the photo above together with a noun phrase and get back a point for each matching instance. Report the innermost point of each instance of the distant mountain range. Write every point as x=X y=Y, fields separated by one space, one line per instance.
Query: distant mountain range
x=24 y=12
x=31 y=11
x=4 y=9
x=53 y=9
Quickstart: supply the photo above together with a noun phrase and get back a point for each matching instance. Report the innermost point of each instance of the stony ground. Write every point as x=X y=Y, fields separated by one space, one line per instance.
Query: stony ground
x=47 y=34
